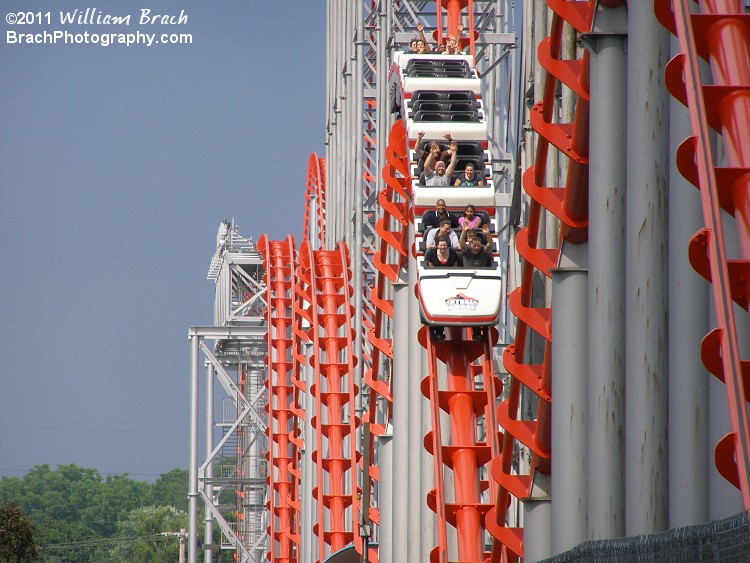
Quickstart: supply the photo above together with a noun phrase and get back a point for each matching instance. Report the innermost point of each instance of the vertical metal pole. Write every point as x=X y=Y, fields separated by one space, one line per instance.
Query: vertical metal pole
x=689 y=454
x=402 y=515
x=330 y=116
x=420 y=470
x=209 y=473
x=606 y=300
x=569 y=406
x=383 y=123
x=646 y=367
x=364 y=517
x=193 y=452
x=388 y=508
x=537 y=520
x=358 y=186
x=181 y=539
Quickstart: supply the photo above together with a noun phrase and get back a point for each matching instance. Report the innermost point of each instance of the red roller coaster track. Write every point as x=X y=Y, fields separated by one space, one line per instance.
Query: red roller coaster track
x=312 y=304
x=720 y=35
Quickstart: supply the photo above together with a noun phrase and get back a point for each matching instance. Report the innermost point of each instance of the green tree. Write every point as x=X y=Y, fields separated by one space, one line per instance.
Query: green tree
x=170 y=489
x=114 y=499
x=70 y=542
x=77 y=513
x=16 y=535
x=142 y=535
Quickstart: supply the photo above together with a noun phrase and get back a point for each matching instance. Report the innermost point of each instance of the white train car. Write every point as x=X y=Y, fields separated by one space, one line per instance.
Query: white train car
x=438 y=95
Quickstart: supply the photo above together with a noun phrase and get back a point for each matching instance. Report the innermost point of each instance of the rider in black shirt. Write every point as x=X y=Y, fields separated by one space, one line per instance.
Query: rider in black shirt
x=474 y=254
x=442 y=255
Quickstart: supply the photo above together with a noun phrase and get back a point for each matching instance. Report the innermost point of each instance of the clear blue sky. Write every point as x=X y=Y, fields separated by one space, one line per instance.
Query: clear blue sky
x=118 y=163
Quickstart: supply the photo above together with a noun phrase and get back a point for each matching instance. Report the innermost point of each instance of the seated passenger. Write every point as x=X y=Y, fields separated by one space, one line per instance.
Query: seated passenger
x=422 y=46
x=432 y=217
x=436 y=173
x=469 y=177
x=442 y=256
x=440 y=151
x=484 y=236
x=413 y=46
x=474 y=254
x=470 y=218
x=443 y=230
x=451 y=47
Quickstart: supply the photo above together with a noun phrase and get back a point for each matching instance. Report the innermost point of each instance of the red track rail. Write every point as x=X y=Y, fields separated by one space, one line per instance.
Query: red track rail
x=465 y=455
x=720 y=35
x=388 y=259
x=316 y=189
x=327 y=274
x=570 y=205
x=283 y=455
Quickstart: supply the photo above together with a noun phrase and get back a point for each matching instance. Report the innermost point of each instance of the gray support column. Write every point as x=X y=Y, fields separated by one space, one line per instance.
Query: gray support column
x=356 y=252
x=646 y=360
x=386 y=504
x=193 y=454
x=208 y=532
x=689 y=454
x=537 y=520
x=569 y=405
x=606 y=300
x=421 y=463
x=348 y=143
x=426 y=474
x=403 y=518
x=382 y=124
x=330 y=93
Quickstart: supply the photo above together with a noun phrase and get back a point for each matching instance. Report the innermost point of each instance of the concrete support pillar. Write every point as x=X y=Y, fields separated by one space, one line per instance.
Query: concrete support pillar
x=606 y=299
x=569 y=404
x=646 y=359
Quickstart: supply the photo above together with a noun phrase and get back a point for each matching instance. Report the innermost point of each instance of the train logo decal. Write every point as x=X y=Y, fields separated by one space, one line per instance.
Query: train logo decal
x=461 y=302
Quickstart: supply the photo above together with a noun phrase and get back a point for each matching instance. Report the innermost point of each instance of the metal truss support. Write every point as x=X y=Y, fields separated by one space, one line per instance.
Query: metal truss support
x=243 y=425
x=230 y=480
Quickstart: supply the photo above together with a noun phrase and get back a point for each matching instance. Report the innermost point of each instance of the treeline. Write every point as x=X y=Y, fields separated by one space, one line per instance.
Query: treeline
x=81 y=517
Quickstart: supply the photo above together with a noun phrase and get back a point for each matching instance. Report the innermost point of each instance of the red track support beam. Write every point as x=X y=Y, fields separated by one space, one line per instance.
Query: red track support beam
x=388 y=259
x=465 y=454
x=334 y=421
x=282 y=429
x=570 y=205
x=721 y=35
